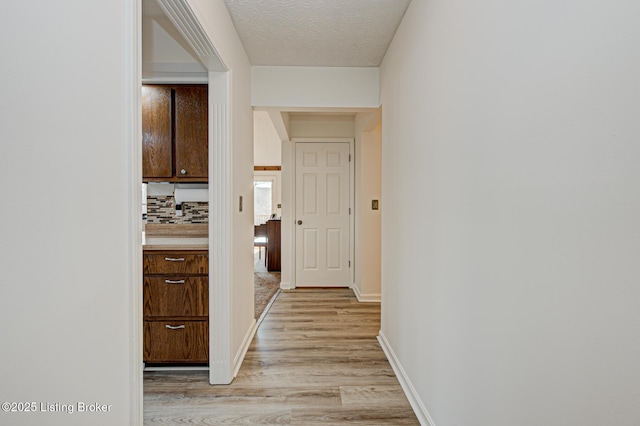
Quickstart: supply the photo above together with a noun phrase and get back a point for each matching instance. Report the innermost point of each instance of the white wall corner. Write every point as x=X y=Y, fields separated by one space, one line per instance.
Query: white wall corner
x=287 y=254
x=183 y=17
x=280 y=122
x=244 y=347
x=367 y=121
x=418 y=407
x=366 y=297
x=287 y=285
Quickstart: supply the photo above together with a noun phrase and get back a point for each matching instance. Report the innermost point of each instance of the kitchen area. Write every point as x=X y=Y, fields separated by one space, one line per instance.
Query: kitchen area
x=175 y=215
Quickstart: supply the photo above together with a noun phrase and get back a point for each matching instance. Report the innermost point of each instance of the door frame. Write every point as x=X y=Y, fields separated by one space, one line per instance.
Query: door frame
x=222 y=368
x=290 y=223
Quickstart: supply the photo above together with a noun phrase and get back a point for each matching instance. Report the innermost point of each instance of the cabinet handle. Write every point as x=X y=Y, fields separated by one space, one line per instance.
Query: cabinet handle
x=174 y=281
x=174 y=259
x=183 y=171
x=178 y=327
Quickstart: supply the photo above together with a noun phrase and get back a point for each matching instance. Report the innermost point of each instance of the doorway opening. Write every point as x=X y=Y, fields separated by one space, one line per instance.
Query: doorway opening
x=266 y=247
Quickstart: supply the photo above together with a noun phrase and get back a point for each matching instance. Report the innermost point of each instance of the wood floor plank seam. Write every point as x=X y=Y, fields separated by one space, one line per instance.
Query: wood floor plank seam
x=314 y=360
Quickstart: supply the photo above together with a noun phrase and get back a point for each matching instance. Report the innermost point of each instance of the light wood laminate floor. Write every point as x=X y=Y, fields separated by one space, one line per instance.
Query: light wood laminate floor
x=315 y=360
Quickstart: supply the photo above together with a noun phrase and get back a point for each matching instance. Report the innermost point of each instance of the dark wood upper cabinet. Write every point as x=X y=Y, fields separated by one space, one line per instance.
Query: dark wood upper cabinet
x=191 y=114
x=157 y=140
x=175 y=133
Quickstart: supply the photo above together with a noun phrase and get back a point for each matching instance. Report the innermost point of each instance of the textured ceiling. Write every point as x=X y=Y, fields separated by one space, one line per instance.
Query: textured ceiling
x=330 y=33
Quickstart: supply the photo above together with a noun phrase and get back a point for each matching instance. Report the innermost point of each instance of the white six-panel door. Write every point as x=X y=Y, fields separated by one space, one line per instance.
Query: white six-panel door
x=322 y=214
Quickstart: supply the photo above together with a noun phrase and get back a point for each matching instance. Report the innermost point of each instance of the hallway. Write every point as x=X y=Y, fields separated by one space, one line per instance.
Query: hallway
x=315 y=360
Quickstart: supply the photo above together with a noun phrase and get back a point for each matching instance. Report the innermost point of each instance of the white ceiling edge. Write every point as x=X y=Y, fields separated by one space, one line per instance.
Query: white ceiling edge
x=158 y=73
x=317 y=110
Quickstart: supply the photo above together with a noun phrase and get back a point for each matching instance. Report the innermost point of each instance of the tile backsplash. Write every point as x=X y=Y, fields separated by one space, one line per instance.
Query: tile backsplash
x=162 y=209
x=161 y=206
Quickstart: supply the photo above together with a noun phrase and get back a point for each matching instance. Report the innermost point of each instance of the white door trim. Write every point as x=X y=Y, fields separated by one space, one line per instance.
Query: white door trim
x=133 y=116
x=292 y=203
x=221 y=207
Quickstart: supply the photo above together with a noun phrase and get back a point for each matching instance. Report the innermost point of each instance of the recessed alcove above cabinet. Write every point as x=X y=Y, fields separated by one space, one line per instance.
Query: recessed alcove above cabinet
x=175 y=133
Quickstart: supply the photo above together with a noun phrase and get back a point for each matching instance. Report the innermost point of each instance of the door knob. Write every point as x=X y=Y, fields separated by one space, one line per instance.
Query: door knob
x=299 y=222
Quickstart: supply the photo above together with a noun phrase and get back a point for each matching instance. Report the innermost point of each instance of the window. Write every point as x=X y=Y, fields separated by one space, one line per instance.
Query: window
x=262 y=200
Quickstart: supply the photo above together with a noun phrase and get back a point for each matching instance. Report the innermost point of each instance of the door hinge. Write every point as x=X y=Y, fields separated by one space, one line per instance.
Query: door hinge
x=349 y=264
x=349 y=157
x=349 y=210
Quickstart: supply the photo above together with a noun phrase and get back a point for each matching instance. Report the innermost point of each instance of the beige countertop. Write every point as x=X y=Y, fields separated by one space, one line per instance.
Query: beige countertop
x=176 y=237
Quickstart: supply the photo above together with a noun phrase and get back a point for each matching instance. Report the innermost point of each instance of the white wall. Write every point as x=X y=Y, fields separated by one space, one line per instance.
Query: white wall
x=267 y=151
x=309 y=125
x=287 y=240
x=368 y=183
x=511 y=202
x=216 y=22
x=69 y=204
x=315 y=87
x=266 y=142
x=166 y=56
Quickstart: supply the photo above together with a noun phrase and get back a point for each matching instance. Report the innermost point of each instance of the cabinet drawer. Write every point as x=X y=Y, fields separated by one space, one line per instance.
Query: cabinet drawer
x=185 y=342
x=176 y=296
x=176 y=263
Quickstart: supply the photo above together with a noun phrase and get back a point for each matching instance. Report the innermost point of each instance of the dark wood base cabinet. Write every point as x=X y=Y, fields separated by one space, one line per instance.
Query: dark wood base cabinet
x=176 y=342
x=176 y=307
x=273 y=245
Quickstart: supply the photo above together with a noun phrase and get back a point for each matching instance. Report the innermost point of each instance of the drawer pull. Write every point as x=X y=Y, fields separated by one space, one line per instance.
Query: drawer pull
x=174 y=281
x=178 y=327
x=174 y=259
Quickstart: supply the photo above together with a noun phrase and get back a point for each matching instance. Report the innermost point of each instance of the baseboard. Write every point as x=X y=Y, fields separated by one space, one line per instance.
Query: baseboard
x=177 y=368
x=417 y=405
x=286 y=285
x=266 y=309
x=237 y=360
x=366 y=297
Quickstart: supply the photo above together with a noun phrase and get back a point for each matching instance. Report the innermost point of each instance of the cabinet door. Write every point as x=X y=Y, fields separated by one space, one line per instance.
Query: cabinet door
x=157 y=157
x=191 y=134
x=176 y=341
x=175 y=263
x=176 y=296
x=273 y=245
